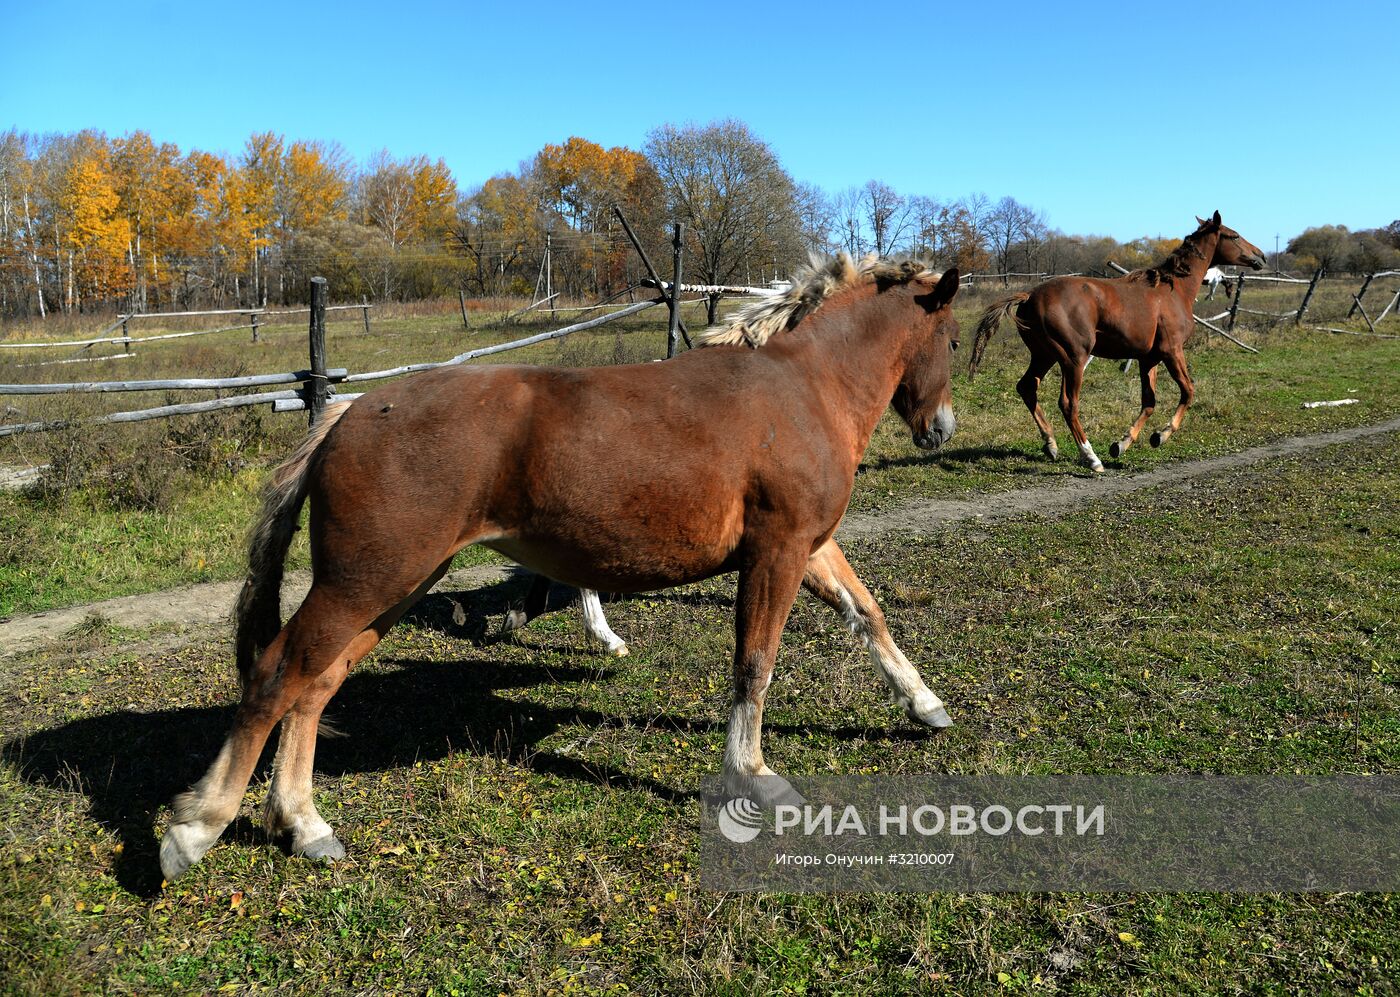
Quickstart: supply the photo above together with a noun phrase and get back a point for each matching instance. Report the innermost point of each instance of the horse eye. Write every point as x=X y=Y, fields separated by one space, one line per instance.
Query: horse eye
x=954 y=344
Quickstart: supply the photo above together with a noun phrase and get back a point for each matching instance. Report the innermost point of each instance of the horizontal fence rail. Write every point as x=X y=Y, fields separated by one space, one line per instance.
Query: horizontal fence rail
x=174 y=384
x=316 y=385
x=289 y=400
x=122 y=320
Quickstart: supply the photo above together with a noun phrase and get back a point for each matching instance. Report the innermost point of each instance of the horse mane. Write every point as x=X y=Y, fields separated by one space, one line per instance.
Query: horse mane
x=759 y=321
x=1176 y=265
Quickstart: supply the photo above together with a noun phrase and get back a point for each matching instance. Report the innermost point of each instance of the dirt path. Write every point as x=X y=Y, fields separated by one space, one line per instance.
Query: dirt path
x=921 y=514
x=210 y=603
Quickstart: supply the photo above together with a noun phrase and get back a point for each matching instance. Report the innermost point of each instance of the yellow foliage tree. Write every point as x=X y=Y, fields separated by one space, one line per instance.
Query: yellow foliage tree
x=97 y=235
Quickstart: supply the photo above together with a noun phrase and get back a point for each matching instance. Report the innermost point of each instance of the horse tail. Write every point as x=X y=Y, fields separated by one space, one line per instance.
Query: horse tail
x=258 y=613
x=987 y=327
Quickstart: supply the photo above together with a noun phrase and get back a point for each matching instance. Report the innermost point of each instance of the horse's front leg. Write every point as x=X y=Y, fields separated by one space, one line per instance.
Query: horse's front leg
x=1148 y=370
x=1176 y=367
x=768 y=584
x=830 y=578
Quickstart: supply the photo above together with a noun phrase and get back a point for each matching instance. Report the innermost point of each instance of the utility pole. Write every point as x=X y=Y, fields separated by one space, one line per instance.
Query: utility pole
x=549 y=268
x=1276 y=269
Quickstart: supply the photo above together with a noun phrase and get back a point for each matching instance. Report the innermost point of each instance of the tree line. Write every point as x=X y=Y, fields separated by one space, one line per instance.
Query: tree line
x=91 y=223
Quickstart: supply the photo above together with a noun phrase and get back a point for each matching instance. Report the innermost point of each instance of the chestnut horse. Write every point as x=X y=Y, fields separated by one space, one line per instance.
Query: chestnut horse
x=1145 y=316
x=737 y=457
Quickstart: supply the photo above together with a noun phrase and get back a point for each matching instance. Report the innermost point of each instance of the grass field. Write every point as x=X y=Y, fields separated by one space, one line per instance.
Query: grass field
x=143 y=507
x=520 y=814
x=533 y=830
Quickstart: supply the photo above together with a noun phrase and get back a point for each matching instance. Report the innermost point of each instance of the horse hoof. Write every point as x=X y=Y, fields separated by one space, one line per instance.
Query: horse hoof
x=1157 y=439
x=768 y=790
x=1116 y=448
x=620 y=651
x=1051 y=451
x=935 y=719
x=180 y=848
x=515 y=619
x=327 y=849
x=775 y=791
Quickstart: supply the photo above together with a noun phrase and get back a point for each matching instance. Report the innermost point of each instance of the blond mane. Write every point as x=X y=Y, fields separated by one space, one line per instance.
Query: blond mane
x=761 y=320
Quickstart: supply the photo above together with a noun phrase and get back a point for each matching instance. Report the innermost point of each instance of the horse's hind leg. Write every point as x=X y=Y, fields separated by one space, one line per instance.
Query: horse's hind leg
x=304 y=649
x=535 y=602
x=597 y=624
x=290 y=810
x=830 y=578
x=1176 y=367
x=1148 y=372
x=1071 y=382
x=1029 y=388
x=593 y=619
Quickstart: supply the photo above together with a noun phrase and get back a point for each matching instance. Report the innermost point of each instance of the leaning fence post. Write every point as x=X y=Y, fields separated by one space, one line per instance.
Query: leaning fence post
x=1386 y=310
x=319 y=388
x=646 y=262
x=1235 y=305
x=1356 y=298
x=673 y=333
x=462 y=300
x=1307 y=297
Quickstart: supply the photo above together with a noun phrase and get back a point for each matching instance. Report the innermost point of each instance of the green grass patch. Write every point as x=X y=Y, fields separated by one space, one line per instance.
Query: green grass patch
x=519 y=813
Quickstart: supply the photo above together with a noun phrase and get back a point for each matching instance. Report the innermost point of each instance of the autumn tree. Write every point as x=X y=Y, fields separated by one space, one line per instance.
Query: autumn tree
x=727 y=185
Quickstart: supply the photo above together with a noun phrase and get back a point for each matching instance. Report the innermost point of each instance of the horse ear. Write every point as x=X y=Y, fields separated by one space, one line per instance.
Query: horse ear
x=1200 y=220
x=1215 y=219
x=943 y=292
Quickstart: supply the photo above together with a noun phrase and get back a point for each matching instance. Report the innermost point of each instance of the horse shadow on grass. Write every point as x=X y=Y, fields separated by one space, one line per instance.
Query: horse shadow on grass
x=131 y=763
x=953 y=460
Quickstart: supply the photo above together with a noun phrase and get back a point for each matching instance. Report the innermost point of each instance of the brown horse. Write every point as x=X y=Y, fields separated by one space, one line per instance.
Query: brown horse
x=739 y=457
x=1145 y=316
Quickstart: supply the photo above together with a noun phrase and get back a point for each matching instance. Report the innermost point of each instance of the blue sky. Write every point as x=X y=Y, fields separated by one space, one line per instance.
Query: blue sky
x=1122 y=122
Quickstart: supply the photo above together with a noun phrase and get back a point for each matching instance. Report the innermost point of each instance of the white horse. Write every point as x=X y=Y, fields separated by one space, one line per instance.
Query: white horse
x=1213 y=279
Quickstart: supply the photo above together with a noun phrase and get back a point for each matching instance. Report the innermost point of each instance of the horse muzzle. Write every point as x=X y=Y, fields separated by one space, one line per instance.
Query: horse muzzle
x=1257 y=263
x=939 y=432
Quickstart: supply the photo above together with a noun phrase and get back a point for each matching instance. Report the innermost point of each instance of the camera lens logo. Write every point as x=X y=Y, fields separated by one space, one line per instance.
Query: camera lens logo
x=740 y=820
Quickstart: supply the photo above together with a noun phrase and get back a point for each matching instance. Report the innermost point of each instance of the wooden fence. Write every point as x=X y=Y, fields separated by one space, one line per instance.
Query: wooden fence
x=315 y=386
x=256 y=319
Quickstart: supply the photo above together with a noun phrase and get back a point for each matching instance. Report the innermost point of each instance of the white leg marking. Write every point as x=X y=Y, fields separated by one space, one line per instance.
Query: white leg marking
x=1086 y=451
x=597 y=625
x=745 y=773
x=289 y=808
x=199 y=818
x=903 y=679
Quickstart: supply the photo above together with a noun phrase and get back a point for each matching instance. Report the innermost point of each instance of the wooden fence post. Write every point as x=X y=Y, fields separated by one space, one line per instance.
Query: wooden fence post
x=1356 y=303
x=1303 y=308
x=1235 y=305
x=646 y=262
x=462 y=301
x=673 y=333
x=1356 y=298
x=253 y=320
x=127 y=333
x=1386 y=310
x=319 y=387
x=364 y=308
